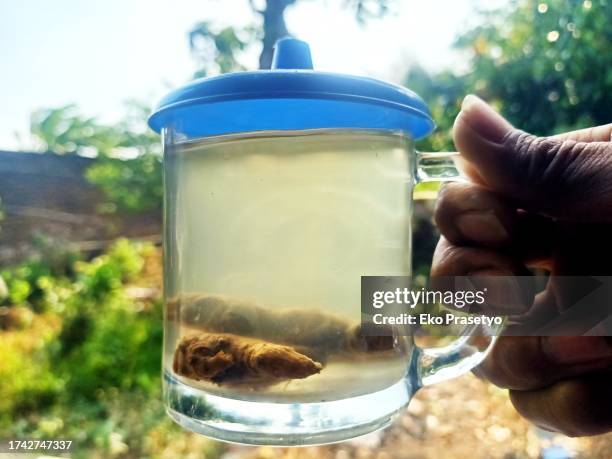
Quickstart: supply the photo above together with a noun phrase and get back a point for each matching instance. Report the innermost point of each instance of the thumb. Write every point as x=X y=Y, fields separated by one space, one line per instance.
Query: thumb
x=555 y=176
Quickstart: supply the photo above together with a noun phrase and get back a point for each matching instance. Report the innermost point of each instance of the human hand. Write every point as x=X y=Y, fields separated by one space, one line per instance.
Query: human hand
x=543 y=202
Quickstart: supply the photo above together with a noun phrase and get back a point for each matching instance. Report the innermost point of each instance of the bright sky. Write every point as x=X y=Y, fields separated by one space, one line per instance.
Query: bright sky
x=98 y=53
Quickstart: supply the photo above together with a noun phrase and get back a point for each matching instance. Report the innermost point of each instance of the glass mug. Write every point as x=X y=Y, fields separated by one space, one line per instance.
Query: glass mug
x=266 y=236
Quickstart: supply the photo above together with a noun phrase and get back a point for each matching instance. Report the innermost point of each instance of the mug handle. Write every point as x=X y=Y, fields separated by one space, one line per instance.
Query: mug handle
x=433 y=365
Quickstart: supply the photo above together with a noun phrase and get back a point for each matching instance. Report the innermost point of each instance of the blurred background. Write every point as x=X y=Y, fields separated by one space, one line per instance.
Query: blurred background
x=81 y=192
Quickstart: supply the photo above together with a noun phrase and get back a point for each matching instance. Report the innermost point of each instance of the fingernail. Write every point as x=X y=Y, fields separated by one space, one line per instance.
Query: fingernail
x=483 y=119
x=482 y=226
x=570 y=350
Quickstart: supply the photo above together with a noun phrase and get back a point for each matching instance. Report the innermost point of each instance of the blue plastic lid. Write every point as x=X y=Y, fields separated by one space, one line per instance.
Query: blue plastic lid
x=291 y=96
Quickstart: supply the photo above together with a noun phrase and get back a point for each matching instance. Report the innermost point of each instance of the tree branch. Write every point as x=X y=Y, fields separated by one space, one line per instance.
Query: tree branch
x=254 y=8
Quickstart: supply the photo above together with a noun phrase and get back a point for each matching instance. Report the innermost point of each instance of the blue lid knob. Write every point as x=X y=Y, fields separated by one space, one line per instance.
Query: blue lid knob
x=291 y=53
x=290 y=97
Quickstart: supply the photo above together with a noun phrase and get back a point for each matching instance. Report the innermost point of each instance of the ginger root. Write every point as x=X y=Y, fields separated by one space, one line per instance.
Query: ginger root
x=320 y=331
x=225 y=358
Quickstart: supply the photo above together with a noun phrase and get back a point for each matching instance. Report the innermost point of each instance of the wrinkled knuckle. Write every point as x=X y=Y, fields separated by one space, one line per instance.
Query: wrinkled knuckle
x=552 y=168
x=445 y=190
x=447 y=257
x=443 y=203
x=575 y=169
x=593 y=155
x=534 y=156
x=446 y=208
x=522 y=144
x=451 y=255
x=464 y=197
x=449 y=194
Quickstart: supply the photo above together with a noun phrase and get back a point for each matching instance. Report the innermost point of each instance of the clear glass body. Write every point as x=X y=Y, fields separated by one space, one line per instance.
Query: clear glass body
x=267 y=236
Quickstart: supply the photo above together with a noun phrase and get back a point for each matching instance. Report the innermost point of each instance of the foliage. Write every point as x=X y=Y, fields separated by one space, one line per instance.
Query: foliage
x=128 y=161
x=40 y=283
x=548 y=63
x=369 y=9
x=545 y=64
x=63 y=131
x=443 y=93
x=217 y=51
x=87 y=365
x=129 y=185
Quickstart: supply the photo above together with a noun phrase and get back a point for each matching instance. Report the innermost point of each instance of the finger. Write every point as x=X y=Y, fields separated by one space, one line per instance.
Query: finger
x=575 y=407
x=489 y=270
x=593 y=134
x=457 y=260
x=557 y=177
x=469 y=213
x=534 y=362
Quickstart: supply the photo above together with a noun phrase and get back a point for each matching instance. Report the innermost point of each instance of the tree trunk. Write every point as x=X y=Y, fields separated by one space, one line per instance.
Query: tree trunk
x=274 y=28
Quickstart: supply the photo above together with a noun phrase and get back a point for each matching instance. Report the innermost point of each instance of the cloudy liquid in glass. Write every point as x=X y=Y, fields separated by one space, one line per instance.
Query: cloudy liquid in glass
x=281 y=223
